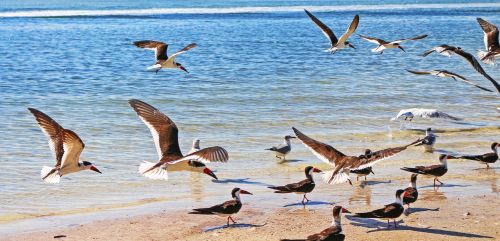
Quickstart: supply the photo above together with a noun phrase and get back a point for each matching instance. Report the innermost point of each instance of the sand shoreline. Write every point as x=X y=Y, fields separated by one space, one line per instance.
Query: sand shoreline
x=431 y=219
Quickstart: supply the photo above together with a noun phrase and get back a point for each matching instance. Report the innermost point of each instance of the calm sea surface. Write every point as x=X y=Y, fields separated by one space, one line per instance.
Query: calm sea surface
x=259 y=69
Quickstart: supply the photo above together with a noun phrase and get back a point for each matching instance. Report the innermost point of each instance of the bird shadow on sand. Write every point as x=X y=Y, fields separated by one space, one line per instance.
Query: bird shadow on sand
x=241 y=181
x=235 y=225
x=382 y=226
x=486 y=169
x=290 y=161
x=310 y=203
x=371 y=183
x=418 y=210
x=444 y=185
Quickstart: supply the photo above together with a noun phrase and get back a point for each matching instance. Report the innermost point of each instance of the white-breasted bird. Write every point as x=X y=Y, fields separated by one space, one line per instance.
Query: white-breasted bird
x=428 y=141
x=490 y=42
x=447 y=74
x=163 y=61
x=283 y=149
x=409 y=114
x=66 y=147
x=383 y=45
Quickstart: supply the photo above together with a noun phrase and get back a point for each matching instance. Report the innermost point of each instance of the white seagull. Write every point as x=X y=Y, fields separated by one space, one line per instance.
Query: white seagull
x=409 y=114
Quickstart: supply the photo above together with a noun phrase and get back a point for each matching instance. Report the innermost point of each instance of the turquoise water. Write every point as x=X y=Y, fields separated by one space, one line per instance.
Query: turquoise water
x=259 y=69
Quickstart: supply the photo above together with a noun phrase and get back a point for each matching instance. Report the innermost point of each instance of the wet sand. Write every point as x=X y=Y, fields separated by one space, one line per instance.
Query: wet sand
x=433 y=217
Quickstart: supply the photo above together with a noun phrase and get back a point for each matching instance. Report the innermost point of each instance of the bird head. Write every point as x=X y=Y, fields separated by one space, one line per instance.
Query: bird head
x=89 y=166
x=202 y=168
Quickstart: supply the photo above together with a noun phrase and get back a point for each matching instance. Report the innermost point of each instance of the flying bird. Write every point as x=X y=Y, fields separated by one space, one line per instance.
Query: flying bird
x=382 y=44
x=195 y=147
x=333 y=233
x=442 y=49
x=476 y=65
x=283 y=149
x=165 y=136
x=409 y=114
x=488 y=158
x=336 y=44
x=490 y=42
x=163 y=61
x=388 y=212
x=226 y=209
x=303 y=187
x=433 y=170
x=342 y=163
x=447 y=74
x=66 y=147
x=428 y=141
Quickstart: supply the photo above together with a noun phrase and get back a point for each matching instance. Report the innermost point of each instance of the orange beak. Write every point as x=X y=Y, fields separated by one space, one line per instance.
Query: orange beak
x=316 y=170
x=345 y=210
x=93 y=168
x=182 y=67
x=210 y=173
x=245 y=192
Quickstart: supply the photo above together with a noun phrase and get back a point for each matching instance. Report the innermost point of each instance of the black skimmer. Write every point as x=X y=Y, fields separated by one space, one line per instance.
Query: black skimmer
x=382 y=45
x=163 y=61
x=490 y=42
x=442 y=49
x=226 y=209
x=195 y=147
x=390 y=211
x=433 y=170
x=448 y=74
x=363 y=172
x=333 y=233
x=165 y=136
x=476 y=65
x=488 y=158
x=428 y=141
x=411 y=193
x=336 y=44
x=66 y=147
x=303 y=187
x=342 y=163
x=409 y=114
x=283 y=149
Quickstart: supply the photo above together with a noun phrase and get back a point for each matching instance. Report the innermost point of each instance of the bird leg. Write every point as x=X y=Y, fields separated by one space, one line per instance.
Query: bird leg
x=487 y=166
x=231 y=220
x=305 y=198
x=349 y=181
x=228 y=220
x=365 y=178
x=388 y=224
x=395 y=225
x=357 y=178
x=439 y=181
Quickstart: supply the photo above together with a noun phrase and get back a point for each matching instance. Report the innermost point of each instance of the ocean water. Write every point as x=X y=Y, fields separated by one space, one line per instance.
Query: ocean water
x=259 y=68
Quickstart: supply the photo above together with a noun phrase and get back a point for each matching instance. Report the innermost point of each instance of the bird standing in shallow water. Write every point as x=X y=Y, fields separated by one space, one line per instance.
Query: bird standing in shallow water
x=283 y=149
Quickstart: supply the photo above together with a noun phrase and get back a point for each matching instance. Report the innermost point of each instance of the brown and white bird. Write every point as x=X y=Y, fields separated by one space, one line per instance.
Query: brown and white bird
x=488 y=158
x=335 y=44
x=303 y=187
x=383 y=45
x=163 y=61
x=490 y=42
x=342 y=163
x=226 y=209
x=282 y=150
x=363 y=172
x=443 y=49
x=428 y=141
x=433 y=170
x=66 y=147
x=165 y=136
x=475 y=64
x=411 y=193
x=448 y=74
x=333 y=233
x=390 y=211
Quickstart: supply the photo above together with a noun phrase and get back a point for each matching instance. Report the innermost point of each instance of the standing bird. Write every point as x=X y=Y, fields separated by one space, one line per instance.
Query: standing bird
x=447 y=74
x=382 y=45
x=165 y=136
x=336 y=44
x=433 y=170
x=490 y=42
x=226 y=209
x=163 y=61
x=283 y=149
x=363 y=172
x=66 y=147
x=488 y=158
x=409 y=114
x=428 y=141
x=411 y=193
x=390 y=211
x=342 y=163
x=442 y=49
x=303 y=187
x=333 y=233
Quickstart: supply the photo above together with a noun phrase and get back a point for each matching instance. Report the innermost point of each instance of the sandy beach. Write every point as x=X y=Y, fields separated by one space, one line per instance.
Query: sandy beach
x=469 y=218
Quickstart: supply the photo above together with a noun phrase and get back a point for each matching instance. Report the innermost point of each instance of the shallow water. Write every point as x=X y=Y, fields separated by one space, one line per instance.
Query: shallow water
x=255 y=73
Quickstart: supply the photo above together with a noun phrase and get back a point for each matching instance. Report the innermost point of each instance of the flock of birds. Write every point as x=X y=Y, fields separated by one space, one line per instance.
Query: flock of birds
x=67 y=146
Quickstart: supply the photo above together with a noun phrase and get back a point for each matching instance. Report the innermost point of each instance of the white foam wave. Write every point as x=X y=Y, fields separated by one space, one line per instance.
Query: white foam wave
x=167 y=11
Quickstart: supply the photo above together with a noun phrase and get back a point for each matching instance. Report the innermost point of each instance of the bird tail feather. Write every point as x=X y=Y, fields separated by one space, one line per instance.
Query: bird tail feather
x=148 y=170
x=50 y=175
